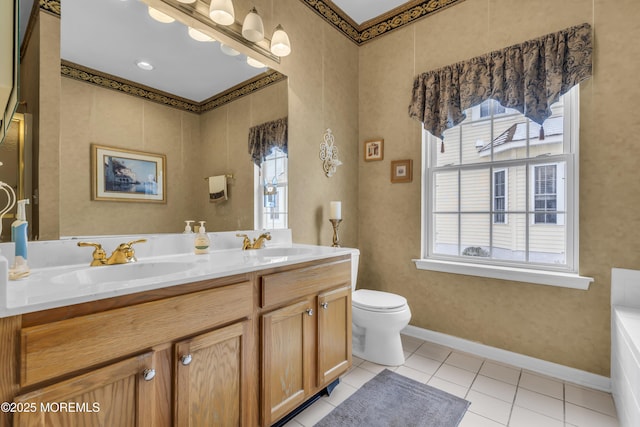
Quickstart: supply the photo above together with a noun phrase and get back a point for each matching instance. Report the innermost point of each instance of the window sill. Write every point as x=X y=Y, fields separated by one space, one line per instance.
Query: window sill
x=549 y=278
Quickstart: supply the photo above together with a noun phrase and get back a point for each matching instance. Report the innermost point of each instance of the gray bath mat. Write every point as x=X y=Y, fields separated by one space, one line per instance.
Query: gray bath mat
x=392 y=400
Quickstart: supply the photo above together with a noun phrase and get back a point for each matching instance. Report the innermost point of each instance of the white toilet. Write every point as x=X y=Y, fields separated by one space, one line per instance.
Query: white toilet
x=377 y=317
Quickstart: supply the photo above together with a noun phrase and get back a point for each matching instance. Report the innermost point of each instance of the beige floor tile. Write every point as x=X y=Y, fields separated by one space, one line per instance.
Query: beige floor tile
x=340 y=394
x=464 y=361
x=356 y=377
x=433 y=351
x=499 y=389
x=424 y=364
x=455 y=375
x=489 y=407
x=588 y=398
x=522 y=417
x=474 y=420
x=410 y=344
x=414 y=374
x=449 y=387
x=583 y=417
x=541 y=384
x=314 y=413
x=540 y=403
x=373 y=367
x=500 y=372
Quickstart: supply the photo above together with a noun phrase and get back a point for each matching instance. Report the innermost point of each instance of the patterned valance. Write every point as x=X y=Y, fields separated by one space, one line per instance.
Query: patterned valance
x=262 y=138
x=528 y=77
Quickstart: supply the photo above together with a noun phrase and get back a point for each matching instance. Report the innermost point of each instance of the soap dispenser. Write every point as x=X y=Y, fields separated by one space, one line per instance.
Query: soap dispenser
x=202 y=240
x=20 y=267
x=187 y=228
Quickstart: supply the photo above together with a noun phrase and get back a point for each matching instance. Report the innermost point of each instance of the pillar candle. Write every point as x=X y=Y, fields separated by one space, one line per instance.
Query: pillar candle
x=336 y=210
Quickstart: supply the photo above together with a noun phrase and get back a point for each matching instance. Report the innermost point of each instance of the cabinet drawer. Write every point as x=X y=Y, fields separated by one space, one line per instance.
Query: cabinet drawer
x=286 y=286
x=58 y=348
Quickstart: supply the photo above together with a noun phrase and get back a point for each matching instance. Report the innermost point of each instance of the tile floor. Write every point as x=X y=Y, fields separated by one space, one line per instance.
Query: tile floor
x=500 y=395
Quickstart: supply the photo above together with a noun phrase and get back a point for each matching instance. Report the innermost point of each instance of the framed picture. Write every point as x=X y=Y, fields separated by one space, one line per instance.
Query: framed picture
x=374 y=150
x=123 y=175
x=402 y=171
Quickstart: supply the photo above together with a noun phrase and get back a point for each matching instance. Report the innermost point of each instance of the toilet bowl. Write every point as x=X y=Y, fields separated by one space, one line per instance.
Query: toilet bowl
x=377 y=319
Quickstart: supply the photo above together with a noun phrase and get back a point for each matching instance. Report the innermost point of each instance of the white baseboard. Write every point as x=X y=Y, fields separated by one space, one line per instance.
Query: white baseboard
x=565 y=373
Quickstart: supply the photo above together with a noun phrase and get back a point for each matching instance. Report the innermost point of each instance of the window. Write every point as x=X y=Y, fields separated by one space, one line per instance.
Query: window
x=503 y=196
x=271 y=192
x=499 y=196
x=491 y=107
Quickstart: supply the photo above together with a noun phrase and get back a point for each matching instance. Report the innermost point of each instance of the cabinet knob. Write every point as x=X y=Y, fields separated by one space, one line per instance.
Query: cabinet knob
x=325 y=305
x=186 y=359
x=310 y=311
x=149 y=374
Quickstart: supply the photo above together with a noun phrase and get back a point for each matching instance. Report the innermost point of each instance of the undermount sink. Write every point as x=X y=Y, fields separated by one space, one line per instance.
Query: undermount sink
x=121 y=273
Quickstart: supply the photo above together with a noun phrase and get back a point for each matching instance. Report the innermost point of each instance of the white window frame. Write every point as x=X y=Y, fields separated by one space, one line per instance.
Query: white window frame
x=258 y=204
x=506 y=196
x=565 y=276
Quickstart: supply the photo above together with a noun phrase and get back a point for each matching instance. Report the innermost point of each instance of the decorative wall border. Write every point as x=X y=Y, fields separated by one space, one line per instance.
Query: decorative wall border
x=51 y=6
x=383 y=24
x=94 y=77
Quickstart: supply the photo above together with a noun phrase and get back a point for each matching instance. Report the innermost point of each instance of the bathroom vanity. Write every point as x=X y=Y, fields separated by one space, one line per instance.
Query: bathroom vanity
x=236 y=339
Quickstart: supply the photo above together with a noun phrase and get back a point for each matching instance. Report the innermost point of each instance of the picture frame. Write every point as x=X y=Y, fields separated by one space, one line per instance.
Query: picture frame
x=373 y=150
x=401 y=171
x=123 y=175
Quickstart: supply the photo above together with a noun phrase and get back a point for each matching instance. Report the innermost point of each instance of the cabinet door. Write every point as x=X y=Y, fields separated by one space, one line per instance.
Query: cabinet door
x=334 y=334
x=209 y=378
x=121 y=395
x=288 y=336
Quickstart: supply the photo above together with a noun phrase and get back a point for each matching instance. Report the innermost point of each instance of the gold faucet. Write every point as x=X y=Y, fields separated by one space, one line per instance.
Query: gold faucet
x=123 y=254
x=257 y=243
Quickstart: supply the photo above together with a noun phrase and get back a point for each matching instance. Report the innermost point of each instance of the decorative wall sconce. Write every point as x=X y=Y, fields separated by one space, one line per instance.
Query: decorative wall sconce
x=329 y=154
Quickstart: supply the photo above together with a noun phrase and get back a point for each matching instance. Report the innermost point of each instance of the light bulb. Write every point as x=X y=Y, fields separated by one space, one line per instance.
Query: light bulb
x=221 y=12
x=255 y=63
x=199 y=35
x=160 y=16
x=280 y=44
x=252 y=28
x=228 y=50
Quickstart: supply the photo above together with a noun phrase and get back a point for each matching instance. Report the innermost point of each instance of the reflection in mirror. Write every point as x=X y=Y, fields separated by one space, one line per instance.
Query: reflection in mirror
x=202 y=133
x=14 y=155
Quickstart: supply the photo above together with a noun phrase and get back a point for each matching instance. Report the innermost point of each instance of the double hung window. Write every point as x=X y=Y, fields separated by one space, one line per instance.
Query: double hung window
x=271 y=191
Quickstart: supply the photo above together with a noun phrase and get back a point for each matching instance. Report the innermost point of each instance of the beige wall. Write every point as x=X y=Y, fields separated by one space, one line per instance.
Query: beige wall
x=570 y=327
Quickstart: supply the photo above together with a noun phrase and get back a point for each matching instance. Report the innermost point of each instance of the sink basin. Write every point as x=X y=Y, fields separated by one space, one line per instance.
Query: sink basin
x=121 y=273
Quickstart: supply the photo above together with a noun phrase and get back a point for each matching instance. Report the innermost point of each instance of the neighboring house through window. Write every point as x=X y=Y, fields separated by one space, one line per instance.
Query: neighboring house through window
x=503 y=191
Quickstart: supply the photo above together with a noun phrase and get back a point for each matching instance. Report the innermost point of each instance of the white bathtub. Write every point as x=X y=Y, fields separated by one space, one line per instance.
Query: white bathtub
x=625 y=345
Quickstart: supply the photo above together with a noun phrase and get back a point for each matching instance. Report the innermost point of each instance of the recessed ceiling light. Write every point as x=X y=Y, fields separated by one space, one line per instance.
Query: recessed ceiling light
x=160 y=16
x=144 y=65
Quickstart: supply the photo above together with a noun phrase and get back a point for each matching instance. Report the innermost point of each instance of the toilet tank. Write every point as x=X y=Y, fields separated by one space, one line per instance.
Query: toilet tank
x=355 y=259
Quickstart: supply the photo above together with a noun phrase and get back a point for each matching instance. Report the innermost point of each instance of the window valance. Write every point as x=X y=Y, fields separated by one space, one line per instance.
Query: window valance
x=263 y=137
x=528 y=77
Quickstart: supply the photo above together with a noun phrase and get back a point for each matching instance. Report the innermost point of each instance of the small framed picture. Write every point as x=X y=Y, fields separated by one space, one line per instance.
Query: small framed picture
x=127 y=176
x=401 y=171
x=373 y=150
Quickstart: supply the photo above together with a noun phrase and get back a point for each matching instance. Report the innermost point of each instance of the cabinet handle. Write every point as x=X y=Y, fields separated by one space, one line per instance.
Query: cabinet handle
x=310 y=311
x=149 y=374
x=186 y=359
x=325 y=305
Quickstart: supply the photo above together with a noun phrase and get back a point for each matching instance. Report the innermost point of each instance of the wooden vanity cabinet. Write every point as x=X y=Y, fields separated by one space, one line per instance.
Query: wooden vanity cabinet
x=306 y=334
x=176 y=361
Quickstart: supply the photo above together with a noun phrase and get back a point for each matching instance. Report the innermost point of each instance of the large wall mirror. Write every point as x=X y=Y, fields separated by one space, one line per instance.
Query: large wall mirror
x=198 y=113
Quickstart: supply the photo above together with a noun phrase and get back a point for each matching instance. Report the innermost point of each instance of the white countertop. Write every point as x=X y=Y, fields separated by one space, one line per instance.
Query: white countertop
x=57 y=286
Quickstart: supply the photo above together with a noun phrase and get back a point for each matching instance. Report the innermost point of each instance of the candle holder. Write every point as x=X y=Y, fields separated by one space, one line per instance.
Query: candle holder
x=336 y=239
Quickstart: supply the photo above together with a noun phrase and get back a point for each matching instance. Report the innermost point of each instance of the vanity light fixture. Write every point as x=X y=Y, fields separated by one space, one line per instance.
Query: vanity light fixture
x=280 y=44
x=160 y=16
x=144 y=65
x=221 y=12
x=255 y=63
x=199 y=35
x=253 y=28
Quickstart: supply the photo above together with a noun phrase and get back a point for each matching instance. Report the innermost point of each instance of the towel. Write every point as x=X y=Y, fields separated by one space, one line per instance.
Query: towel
x=217 y=188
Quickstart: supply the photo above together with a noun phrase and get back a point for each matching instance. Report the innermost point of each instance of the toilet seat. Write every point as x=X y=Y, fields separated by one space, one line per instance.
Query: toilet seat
x=378 y=301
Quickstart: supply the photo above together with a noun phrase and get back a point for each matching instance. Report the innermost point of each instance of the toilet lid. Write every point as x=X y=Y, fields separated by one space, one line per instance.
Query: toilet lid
x=377 y=300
